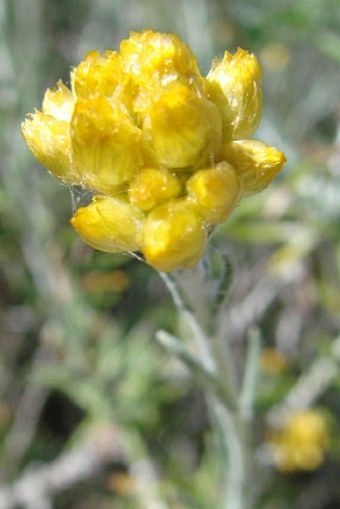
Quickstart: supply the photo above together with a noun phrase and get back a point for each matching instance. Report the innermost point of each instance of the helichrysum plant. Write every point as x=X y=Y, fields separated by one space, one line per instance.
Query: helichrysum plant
x=165 y=155
x=164 y=152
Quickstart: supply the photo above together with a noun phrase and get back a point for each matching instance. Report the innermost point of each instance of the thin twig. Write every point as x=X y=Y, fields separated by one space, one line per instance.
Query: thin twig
x=306 y=391
x=198 y=333
x=42 y=483
x=227 y=420
x=247 y=313
x=248 y=391
x=206 y=378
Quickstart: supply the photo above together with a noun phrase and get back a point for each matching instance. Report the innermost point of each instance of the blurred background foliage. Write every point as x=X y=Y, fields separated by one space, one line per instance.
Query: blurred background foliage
x=79 y=366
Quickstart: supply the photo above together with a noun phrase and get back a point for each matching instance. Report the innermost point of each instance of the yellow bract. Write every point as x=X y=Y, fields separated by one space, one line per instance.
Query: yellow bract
x=59 y=102
x=160 y=147
x=98 y=74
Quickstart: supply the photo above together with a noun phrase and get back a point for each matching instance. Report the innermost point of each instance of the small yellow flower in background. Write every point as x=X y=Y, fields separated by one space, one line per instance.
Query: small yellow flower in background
x=302 y=442
x=163 y=150
x=273 y=362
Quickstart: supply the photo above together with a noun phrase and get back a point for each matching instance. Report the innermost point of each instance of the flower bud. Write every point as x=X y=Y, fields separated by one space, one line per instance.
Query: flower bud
x=159 y=58
x=234 y=85
x=174 y=236
x=110 y=224
x=216 y=191
x=255 y=163
x=49 y=141
x=180 y=129
x=153 y=186
x=47 y=133
x=105 y=144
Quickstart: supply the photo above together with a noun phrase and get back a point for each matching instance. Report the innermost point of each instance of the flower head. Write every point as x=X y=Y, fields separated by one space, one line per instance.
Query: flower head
x=161 y=148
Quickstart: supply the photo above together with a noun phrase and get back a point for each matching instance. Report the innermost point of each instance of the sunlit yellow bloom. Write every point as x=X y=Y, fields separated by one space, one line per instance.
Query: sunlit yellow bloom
x=110 y=224
x=156 y=143
x=302 y=442
x=153 y=186
x=216 y=191
x=174 y=235
x=235 y=86
x=255 y=163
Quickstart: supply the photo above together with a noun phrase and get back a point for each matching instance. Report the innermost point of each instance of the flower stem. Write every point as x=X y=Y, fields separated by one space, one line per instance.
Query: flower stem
x=233 y=440
x=230 y=403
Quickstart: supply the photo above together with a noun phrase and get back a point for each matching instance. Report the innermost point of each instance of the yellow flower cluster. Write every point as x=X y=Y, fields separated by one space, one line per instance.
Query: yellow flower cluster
x=163 y=150
x=302 y=442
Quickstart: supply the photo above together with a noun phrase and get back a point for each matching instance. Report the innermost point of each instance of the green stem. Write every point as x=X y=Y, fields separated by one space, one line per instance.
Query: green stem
x=233 y=439
x=174 y=346
x=199 y=335
x=248 y=390
x=215 y=370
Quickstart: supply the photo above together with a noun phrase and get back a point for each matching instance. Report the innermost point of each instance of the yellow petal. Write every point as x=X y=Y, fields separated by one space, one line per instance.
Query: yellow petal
x=255 y=163
x=174 y=236
x=98 y=74
x=59 y=102
x=181 y=129
x=149 y=55
x=49 y=141
x=216 y=191
x=234 y=85
x=110 y=224
x=105 y=144
x=153 y=186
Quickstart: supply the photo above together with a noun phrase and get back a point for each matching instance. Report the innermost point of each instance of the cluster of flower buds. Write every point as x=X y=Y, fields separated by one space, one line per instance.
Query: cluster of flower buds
x=164 y=151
